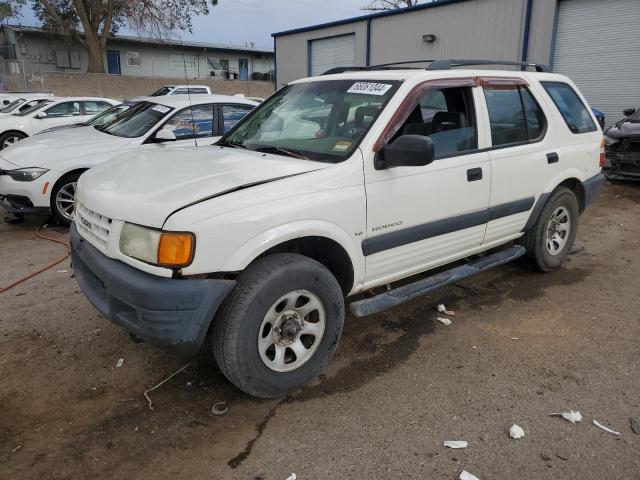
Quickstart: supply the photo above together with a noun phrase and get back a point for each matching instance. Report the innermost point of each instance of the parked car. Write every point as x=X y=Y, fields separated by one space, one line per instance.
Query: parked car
x=623 y=146
x=24 y=103
x=39 y=174
x=181 y=90
x=332 y=187
x=7 y=97
x=49 y=113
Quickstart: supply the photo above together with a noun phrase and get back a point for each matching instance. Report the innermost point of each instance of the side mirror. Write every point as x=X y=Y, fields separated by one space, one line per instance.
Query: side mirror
x=406 y=151
x=41 y=115
x=628 y=112
x=165 y=135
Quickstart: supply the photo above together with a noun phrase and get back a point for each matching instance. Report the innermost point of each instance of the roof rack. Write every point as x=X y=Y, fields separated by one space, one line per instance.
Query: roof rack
x=438 y=65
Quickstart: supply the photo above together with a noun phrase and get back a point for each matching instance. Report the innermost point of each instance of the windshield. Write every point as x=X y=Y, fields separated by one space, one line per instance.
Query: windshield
x=161 y=91
x=136 y=121
x=8 y=108
x=37 y=106
x=109 y=115
x=321 y=120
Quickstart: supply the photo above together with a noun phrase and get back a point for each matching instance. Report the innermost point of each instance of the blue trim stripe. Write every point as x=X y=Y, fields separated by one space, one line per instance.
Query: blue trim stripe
x=400 y=11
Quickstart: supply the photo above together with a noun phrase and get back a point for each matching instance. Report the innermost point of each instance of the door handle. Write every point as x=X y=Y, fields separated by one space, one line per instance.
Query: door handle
x=474 y=174
x=552 y=157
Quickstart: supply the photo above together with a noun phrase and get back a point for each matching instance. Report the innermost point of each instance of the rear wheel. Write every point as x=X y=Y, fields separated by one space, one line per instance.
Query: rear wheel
x=280 y=325
x=63 y=197
x=10 y=138
x=550 y=239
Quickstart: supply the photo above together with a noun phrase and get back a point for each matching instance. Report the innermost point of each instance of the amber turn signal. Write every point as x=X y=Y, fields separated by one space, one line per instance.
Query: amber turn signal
x=175 y=249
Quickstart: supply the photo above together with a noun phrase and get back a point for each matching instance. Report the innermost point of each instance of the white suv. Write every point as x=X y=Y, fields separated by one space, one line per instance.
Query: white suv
x=332 y=187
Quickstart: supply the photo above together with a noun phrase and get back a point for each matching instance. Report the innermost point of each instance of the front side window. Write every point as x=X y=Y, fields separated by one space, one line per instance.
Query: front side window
x=321 y=120
x=232 y=114
x=447 y=116
x=514 y=115
x=194 y=122
x=574 y=112
x=136 y=121
x=64 y=109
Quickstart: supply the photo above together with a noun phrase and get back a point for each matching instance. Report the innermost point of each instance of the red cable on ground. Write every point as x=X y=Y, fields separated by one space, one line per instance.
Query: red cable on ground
x=24 y=279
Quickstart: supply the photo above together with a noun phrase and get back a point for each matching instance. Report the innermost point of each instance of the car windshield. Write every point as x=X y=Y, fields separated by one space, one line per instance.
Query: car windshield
x=321 y=120
x=37 y=106
x=8 y=108
x=109 y=115
x=136 y=121
x=161 y=91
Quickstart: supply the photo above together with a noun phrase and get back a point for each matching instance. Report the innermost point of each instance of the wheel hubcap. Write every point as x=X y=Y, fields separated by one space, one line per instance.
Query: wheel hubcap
x=558 y=230
x=9 y=141
x=64 y=200
x=291 y=331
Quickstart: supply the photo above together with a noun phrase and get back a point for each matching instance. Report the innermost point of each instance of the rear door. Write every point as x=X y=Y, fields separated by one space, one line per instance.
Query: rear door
x=421 y=217
x=524 y=154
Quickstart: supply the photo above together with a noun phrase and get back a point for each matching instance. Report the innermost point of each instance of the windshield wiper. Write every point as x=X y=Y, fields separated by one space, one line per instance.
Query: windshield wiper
x=227 y=143
x=275 y=149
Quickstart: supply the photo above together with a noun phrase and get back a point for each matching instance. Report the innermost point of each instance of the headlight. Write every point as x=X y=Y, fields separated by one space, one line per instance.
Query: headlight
x=610 y=141
x=26 y=174
x=165 y=249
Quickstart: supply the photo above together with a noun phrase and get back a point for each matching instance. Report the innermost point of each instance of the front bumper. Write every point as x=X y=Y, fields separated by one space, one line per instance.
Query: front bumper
x=20 y=205
x=170 y=313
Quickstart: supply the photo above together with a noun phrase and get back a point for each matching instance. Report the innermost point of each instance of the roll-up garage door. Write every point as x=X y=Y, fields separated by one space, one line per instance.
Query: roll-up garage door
x=327 y=53
x=598 y=47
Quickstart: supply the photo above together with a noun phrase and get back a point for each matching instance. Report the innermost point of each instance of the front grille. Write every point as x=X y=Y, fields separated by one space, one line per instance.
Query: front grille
x=93 y=226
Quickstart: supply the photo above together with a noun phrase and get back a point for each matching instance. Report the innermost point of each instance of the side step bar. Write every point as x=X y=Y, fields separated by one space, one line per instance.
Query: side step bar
x=403 y=294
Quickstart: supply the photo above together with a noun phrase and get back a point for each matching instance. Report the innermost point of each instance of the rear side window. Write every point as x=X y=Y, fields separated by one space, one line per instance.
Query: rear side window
x=514 y=115
x=232 y=114
x=574 y=112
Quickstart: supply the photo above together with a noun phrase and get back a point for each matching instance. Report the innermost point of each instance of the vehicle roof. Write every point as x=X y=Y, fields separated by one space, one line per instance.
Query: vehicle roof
x=80 y=99
x=196 y=99
x=423 y=74
x=183 y=86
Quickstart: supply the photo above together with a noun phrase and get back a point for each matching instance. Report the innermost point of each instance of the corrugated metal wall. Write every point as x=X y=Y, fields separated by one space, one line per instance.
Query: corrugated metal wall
x=292 y=50
x=473 y=29
x=541 y=31
x=598 y=46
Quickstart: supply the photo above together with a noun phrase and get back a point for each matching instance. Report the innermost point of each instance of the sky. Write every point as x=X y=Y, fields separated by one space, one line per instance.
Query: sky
x=246 y=21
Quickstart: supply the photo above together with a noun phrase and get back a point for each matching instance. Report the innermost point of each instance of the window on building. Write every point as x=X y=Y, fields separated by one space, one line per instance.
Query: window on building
x=194 y=122
x=218 y=64
x=183 y=61
x=447 y=116
x=232 y=114
x=573 y=110
x=514 y=115
x=133 y=59
x=93 y=108
x=64 y=109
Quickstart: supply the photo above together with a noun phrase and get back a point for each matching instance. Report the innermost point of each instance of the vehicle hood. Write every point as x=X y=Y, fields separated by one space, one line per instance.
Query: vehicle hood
x=624 y=129
x=146 y=187
x=66 y=149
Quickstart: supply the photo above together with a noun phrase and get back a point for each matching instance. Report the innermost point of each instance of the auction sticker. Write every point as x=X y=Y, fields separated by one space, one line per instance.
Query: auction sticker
x=161 y=108
x=369 y=88
x=342 y=146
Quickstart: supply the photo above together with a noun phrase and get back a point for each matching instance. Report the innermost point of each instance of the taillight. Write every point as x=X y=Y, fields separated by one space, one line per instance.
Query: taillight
x=602 y=156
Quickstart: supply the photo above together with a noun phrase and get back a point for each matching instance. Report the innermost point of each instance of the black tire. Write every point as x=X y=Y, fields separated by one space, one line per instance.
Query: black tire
x=535 y=240
x=238 y=322
x=8 y=136
x=56 y=208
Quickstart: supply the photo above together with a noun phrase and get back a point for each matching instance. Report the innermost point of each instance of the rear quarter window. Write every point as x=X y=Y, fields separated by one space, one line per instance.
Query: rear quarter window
x=573 y=110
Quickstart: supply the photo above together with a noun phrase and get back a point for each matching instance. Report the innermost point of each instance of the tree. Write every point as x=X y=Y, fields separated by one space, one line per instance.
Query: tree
x=93 y=22
x=384 y=5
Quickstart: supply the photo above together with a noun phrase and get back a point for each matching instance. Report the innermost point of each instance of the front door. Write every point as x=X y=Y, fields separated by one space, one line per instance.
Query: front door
x=422 y=217
x=113 y=62
x=243 y=69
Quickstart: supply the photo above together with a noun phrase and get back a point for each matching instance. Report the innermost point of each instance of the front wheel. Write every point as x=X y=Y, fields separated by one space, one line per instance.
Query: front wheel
x=63 y=197
x=549 y=241
x=10 y=138
x=280 y=325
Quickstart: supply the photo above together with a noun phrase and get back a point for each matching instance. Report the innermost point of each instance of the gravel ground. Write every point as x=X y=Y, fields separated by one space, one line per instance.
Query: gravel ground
x=522 y=345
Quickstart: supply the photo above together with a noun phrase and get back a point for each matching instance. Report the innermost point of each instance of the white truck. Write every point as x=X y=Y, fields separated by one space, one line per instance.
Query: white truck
x=335 y=185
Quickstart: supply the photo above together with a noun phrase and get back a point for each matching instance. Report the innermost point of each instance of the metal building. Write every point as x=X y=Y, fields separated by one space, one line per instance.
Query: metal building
x=592 y=41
